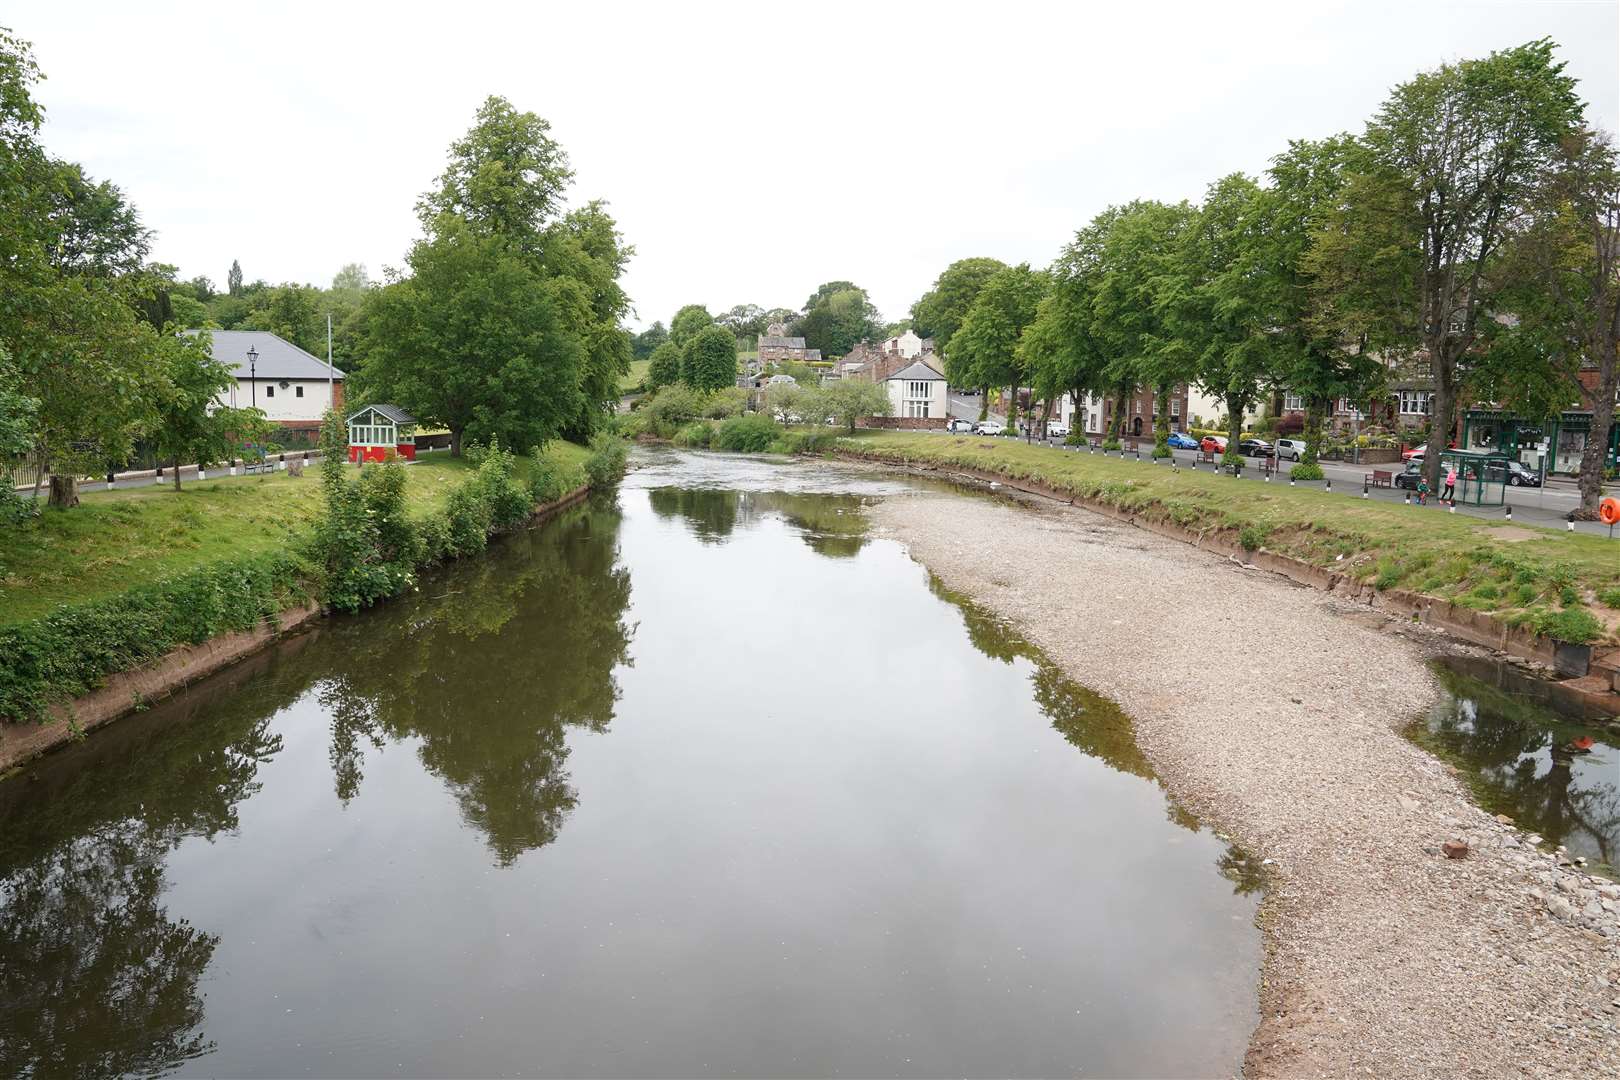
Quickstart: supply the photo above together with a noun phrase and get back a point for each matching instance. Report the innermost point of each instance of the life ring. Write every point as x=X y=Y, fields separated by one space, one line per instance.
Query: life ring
x=1609 y=510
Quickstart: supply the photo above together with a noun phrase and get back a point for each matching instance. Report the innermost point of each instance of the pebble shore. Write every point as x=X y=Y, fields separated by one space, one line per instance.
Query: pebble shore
x=1274 y=712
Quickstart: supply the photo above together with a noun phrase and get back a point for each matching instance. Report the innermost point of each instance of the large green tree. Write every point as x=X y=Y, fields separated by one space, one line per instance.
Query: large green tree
x=664 y=366
x=984 y=350
x=709 y=359
x=687 y=322
x=190 y=426
x=939 y=312
x=1061 y=350
x=1451 y=162
x=837 y=316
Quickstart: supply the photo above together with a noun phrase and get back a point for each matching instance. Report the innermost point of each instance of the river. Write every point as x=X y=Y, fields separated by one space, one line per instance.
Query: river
x=703 y=779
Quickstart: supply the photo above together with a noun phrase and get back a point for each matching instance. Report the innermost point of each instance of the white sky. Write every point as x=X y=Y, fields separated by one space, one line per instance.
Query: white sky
x=749 y=151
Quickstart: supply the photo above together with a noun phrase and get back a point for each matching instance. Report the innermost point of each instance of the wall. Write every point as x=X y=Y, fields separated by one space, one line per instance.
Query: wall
x=284 y=405
x=903 y=423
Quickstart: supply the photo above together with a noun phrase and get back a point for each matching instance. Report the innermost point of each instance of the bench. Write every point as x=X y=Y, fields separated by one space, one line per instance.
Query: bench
x=1206 y=456
x=258 y=466
x=1379 y=478
x=1267 y=465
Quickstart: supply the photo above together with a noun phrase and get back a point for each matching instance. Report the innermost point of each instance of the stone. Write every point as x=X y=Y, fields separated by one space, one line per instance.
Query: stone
x=1593 y=910
x=1560 y=908
x=1566 y=883
x=1609 y=892
x=1454 y=848
x=1504 y=819
x=1535 y=839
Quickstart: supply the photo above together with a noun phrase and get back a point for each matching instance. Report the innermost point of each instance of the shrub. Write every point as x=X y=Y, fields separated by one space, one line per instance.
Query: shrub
x=726 y=402
x=1575 y=625
x=546 y=483
x=1609 y=598
x=467 y=520
x=697 y=435
x=747 y=434
x=1110 y=444
x=606 y=463
x=806 y=442
x=1307 y=471
x=1252 y=536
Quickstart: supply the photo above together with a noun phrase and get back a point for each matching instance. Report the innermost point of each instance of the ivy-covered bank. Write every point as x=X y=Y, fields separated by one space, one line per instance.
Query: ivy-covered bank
x=362 y=539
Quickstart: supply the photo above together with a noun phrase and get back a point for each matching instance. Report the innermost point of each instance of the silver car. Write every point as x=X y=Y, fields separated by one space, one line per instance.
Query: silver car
x=1290 y=449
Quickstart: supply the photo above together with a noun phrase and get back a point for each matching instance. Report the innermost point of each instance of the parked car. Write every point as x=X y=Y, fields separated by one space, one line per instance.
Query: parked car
x=1057 y=431
x=989 y=427
x=1518 y=474
x=1416 y=451
x=1292 y=449
x=956 y=423
x=1180 y=440
x=1213 y=444
x=1409 y=477
x=1255 y=448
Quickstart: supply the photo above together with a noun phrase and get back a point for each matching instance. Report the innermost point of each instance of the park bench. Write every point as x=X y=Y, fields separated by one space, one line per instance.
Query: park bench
x=1379 y=478
x=254 y=466
x=1206 y=456
x=1267 y=465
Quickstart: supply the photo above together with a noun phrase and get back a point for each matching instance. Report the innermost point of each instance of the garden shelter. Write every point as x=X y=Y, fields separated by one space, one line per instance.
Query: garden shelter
x=378 y=431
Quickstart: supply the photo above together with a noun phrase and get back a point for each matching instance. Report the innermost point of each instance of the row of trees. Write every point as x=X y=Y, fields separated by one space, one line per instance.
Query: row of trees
x=697 y=352
x=1471 y=231
x=90 y=360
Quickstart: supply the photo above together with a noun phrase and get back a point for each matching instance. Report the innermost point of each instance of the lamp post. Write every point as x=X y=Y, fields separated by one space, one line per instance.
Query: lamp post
x=253 y=366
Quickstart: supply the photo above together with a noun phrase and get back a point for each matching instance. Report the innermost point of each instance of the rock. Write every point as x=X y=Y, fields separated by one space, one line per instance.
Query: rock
x=1593 y=910
x=1566 y=883
x=1407 y=804
x=1560 y=908
x=1609 y=892
x=1504 y=819
x=1454 y=848
x=1534 y=838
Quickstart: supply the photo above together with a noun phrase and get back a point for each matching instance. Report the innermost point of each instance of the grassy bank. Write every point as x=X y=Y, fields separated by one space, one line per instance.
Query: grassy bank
x=118 y=540
x=1563 y=584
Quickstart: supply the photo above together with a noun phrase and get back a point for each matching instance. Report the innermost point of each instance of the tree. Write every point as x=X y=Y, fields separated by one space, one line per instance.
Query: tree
x=836 y=317
x=351 y=278
x=506 y=177
x=687 y=322
x=474 y=340
x=644 y=343
x=1561 y=282
x=984 y=350
x=744 y=321
x=1451 y=162
x=1061 y=350
x=291 y=311
x=664 y=366
x=233 y=279
x=190 y=427
x=940 y=311
x=709 y=359
x=584 y=256
x=851 y=400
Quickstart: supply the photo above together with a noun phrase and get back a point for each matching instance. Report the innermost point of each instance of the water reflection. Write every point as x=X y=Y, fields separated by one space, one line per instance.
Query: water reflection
x=832 y=525
x=1500 y=726
x=485 y=670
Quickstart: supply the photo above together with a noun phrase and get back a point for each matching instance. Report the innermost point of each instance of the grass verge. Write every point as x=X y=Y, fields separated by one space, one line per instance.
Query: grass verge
x=1556 y=582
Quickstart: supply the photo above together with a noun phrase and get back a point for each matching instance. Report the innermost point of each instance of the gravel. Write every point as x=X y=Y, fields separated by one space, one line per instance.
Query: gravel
x=1274 y=712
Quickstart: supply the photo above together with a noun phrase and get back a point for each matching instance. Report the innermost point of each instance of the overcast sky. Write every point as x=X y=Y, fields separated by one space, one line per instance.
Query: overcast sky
x=749 y=151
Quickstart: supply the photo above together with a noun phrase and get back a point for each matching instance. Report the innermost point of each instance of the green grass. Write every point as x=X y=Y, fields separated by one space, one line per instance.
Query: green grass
x=115 y=540
x=637 y=375
x=1450 y=556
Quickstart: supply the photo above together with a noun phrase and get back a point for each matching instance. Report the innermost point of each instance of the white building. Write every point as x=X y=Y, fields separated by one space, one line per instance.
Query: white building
x=292 y=387
x=917 y=391
x=907 y=344
x=1206 y=409
x=1085 y=416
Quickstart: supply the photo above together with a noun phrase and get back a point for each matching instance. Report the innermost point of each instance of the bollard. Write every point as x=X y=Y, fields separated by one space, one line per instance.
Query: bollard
x=202 y=474
x=1364 y=491
x=1509 y=510
x=1329 y=485
x=1267 y=477
x=1452 y=507
x=1290 y=479
x=1408 y=499
x=1570 y=523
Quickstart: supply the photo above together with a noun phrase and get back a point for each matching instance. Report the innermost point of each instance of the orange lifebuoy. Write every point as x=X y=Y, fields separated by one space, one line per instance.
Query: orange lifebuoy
x=1609 y=510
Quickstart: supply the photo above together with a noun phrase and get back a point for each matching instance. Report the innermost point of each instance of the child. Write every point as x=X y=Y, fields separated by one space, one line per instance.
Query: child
x=1450 y=493
x=1422 y=490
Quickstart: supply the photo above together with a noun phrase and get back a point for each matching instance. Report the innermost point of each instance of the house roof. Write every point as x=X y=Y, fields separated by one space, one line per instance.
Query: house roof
x=778 y=341
x=917 y=371
x=391 y=412
x=278 y=358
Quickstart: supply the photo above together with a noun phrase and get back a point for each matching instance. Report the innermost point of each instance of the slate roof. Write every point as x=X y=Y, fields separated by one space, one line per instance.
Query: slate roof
x=917 y=371
x=278 y=357
x=391 y=412
x=776 y=341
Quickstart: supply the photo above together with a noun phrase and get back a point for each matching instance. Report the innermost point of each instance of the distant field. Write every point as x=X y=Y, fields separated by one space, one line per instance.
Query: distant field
x=637 y=376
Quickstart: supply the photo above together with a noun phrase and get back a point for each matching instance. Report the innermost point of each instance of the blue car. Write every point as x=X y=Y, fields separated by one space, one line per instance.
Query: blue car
x=1182 y=441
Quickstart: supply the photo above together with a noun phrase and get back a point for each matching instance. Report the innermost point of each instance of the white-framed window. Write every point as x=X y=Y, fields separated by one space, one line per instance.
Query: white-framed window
x=1414 y=403
x=917 y=408
x=1346 y=407
x=1138 y=406
x=917 y=390
x=1175 y=407
x=1293 y=403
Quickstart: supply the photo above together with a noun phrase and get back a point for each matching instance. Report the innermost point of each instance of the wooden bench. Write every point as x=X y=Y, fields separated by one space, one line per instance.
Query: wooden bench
x=1096 y=443
x=1267 y=465
x=258 y=466
x=1206 y=456
x=1379 y=478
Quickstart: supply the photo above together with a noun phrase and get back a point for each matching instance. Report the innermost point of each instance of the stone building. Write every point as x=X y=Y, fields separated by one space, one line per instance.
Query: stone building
x=775 y=346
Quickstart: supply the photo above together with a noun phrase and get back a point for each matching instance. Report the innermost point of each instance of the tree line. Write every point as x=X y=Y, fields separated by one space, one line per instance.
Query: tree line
x=834 y=319
x=1470 y=235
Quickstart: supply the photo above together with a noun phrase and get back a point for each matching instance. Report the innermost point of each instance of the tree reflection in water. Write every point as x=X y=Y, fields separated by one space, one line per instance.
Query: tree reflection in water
x=832 y=525
x=486 y=669
x=96 y=979
x=1493 y=724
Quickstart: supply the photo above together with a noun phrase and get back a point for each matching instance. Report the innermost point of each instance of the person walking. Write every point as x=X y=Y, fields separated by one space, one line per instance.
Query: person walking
x=1450 y=493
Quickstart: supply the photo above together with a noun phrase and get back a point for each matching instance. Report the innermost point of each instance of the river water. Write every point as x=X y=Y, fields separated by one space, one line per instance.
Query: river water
x=704 y=780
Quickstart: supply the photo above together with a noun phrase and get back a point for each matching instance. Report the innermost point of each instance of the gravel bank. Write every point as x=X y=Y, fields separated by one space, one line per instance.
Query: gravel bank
x=1280 y=723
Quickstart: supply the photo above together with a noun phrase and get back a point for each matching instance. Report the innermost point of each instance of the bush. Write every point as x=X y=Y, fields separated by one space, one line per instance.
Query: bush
x=467 y=520
x=546 y=483
x=747 y=434
x=69 y=652
x=1575 y=625
x=806 y=442
x=1110 y=444
x=724 y=403
x=1609 y=598
x=1252 y=536
x=1307 y=470
x=697 y=435
x=606 y=463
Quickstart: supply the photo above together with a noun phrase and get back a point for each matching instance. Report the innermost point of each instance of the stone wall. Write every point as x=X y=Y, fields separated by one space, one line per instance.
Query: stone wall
x=903 y=423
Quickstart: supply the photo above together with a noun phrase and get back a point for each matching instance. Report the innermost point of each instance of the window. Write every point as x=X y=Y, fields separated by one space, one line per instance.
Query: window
x=1346 y=407
x=1175 y=407
x=1414 y=403
x=1293 y=403
x=298 y=391
x=269 y=391
x=917 y=390
x=917 y=408
x=1138 y=406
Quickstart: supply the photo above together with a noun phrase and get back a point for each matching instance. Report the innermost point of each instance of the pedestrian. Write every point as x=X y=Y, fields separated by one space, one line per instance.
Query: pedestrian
x=1422 y=490
x=1450 y=493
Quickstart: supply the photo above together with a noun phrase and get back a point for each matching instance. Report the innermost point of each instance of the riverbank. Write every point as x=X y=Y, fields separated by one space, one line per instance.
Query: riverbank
x=1504 y=576
x=1275 y=712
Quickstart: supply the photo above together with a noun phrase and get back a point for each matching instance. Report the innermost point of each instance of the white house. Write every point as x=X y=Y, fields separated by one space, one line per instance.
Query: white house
x=906 y=344
x=1207 y=409
x=291 y=386
x=1085 y=416
x=917 y=391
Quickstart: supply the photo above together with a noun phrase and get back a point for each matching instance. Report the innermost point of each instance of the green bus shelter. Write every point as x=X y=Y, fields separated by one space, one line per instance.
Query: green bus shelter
x=1482 y=475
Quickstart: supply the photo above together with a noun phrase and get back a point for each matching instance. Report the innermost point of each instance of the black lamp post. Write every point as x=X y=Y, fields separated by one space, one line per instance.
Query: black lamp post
x=253 y=384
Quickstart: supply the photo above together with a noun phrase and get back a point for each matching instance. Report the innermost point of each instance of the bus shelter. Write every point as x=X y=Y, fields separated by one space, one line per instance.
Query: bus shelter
x=1482 y=475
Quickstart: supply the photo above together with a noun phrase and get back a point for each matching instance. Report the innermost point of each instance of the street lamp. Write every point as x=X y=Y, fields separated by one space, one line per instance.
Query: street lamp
x=253 y=364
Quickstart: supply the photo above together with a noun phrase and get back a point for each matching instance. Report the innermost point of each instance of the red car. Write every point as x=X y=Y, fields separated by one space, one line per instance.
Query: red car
x=1213 y=444
x=1416 y=451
